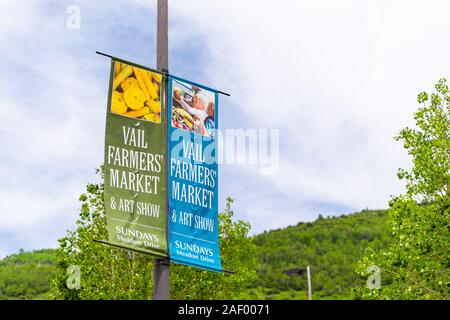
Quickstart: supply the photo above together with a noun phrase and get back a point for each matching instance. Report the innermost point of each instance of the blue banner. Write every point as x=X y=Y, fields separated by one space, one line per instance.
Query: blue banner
x=193 y=175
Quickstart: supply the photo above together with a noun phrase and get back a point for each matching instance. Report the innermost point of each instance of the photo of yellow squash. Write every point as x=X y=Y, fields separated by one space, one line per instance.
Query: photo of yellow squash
x=136 y=93
x=134 y=98
x=157 y=77
x=117 y=68
x=138 y=113
x=149 y=85
x=150 y=117
x=155 y=106
x=156 y=86
x=129 y=82
x=123 y=74
x=117 y=103
x=141 y=83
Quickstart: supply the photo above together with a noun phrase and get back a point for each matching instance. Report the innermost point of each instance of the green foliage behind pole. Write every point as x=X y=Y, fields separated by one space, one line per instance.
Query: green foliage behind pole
x=417 y=264
x=110 y=273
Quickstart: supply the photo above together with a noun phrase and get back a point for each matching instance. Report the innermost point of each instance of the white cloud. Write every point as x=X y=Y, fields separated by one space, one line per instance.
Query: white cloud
x=338 y=79
x=49 y=127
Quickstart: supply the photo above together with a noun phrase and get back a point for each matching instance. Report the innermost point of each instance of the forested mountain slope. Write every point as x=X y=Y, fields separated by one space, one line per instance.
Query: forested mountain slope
x=330 y=246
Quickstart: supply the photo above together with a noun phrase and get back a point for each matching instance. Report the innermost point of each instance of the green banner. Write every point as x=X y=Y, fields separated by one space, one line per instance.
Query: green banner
x=134 y=168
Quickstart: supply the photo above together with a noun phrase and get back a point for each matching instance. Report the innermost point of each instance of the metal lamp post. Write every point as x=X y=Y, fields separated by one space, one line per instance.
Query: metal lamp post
x=301 y=272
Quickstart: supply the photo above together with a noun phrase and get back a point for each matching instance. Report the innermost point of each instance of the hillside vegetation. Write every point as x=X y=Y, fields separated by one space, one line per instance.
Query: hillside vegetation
x=27 y=275
x=330 y=246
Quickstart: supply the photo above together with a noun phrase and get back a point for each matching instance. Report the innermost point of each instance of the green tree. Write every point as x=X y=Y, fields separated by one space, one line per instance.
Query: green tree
x=417 y=263
x=26 y=275
x=110 y=273
x=331 y=247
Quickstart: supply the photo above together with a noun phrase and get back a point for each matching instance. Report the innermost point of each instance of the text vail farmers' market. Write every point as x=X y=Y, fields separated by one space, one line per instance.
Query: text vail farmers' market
x=137 y=160
x=197 y=172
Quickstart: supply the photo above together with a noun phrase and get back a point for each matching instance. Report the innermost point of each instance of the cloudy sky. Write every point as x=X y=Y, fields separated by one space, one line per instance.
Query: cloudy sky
x=338 y=79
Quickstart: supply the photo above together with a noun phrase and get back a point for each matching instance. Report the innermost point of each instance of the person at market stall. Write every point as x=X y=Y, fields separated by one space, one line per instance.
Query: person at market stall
x=208 y=123
x=206 y=126
x=199 y=107
x=202 y=112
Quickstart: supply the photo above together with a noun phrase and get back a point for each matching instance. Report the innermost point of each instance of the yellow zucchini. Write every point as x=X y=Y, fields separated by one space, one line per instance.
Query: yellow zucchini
x=150 y=117
x=155 y=106
x=117 y=68
x=157 y=77
x=149 y=85
x=138 y=113
x=124 y=73
x=156 y=86
x=141 y=83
